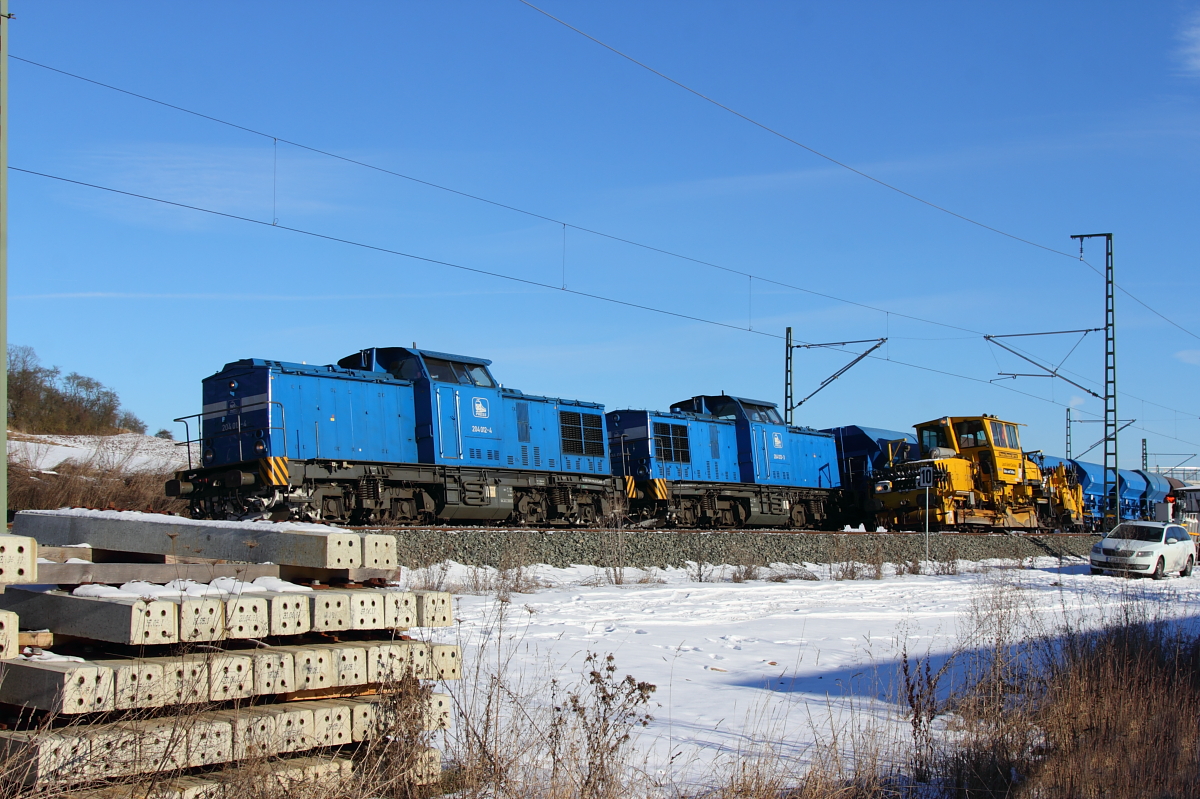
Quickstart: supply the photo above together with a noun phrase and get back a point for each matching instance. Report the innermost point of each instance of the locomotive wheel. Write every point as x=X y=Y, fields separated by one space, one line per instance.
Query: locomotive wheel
x=799 y=515
x=685 y=514
x=585 y=514
x=532 y=509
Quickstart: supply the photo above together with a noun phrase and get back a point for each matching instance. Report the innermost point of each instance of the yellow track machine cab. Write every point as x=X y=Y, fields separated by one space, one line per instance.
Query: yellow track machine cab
x=981 y=480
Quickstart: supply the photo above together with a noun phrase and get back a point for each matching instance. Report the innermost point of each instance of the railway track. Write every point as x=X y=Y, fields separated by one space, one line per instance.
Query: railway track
x=692 y=530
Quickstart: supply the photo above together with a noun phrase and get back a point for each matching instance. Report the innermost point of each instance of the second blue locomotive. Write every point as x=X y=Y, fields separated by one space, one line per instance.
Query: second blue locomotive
x=722 y=461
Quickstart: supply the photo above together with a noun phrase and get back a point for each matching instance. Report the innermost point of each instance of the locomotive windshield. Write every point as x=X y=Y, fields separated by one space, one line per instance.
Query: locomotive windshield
x=398 y=362
x=970 y=434
x=726 y=408
x=1005 y=435
x=762 y=413
x=455 y=372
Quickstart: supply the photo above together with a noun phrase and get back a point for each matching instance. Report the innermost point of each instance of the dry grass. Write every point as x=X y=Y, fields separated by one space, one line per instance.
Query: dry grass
x=1109 y=714
x=105 y=480
x=614 y=557
x=516 y=574
x=501 y=583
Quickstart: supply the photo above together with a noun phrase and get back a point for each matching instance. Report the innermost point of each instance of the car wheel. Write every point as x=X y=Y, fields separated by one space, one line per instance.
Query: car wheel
x=1097 y=571
x=1187 y=570
x=1159 y=568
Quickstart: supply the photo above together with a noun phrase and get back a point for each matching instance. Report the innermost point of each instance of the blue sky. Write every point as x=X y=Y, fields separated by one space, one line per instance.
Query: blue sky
x=1042 y=120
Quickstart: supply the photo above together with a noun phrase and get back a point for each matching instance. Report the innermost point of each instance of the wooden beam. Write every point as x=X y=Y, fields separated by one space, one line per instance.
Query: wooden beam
x=42 y=640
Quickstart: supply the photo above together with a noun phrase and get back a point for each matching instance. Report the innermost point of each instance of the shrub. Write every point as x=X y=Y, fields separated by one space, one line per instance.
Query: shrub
x=42 y=400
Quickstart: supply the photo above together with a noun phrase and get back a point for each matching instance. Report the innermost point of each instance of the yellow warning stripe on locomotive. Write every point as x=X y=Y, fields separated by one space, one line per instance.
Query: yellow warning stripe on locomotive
x=273 y=471
x=630 y=487
x=658 y=488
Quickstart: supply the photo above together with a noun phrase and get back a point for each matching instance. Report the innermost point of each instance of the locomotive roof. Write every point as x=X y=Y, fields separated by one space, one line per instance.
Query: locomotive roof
x=767 y=403
x=445 y=356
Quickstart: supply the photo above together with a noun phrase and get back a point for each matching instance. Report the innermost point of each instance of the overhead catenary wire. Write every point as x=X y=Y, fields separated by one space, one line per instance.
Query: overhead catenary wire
x=789 y=139
x=1093 y=381
x=488 y=201
x=528 y=282
x=842 y=164
x=612 y=237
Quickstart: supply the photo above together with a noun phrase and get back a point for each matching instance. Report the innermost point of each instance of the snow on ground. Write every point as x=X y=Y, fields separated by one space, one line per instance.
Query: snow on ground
x=737 y=663
x=130 y=451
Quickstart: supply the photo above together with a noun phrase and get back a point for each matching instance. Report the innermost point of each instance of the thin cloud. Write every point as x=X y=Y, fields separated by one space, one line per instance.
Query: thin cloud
x=1189 y=356
x=1189 y=47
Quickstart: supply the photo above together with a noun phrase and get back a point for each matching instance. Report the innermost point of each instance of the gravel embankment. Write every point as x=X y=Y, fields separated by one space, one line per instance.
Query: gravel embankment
x=508 y=548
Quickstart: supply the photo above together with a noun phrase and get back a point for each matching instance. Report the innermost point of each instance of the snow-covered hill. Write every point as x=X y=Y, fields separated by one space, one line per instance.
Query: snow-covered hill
x=127 y=451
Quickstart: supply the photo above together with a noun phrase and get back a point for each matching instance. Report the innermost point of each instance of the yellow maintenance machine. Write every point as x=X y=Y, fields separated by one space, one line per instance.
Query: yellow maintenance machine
x=981 y=479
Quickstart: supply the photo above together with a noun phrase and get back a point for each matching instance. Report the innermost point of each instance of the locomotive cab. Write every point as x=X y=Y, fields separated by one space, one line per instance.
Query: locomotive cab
x=458 y=401
x=991 y=444
x=769 y=452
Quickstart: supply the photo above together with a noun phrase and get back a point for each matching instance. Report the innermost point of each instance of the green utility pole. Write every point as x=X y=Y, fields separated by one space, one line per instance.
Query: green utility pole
x=4 y=20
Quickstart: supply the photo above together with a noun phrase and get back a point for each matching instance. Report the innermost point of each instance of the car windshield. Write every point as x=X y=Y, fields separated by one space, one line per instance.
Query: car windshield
x=1137 y=532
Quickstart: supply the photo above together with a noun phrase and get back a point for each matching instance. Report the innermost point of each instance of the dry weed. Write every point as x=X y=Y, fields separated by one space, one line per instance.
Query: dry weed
x=101 y=481
x=614 y=557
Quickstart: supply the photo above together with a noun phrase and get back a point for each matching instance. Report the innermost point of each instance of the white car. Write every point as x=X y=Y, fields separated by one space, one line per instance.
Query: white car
x=1153 y=548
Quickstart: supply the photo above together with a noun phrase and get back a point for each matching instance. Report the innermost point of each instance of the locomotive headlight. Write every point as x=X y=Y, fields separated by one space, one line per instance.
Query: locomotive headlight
x=208 y=455
x=260 y=447
x=233 y=384
x=883 y=487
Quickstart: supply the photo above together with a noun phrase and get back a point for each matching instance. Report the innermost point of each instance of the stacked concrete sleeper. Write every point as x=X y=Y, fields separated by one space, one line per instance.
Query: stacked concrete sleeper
x=210 y=650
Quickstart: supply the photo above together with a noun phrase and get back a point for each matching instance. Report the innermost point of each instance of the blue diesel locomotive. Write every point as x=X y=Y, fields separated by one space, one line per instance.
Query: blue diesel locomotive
x=722 y=461
x=396 y=436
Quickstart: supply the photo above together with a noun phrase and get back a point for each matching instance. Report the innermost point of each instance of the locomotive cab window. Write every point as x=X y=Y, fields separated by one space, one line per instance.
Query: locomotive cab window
x=723 y=408
x=970 y=434
x=1005 y=435
x=762 y=413
x=479 y=375
x=466 y=374
x=932 y=437
x=404 y=368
